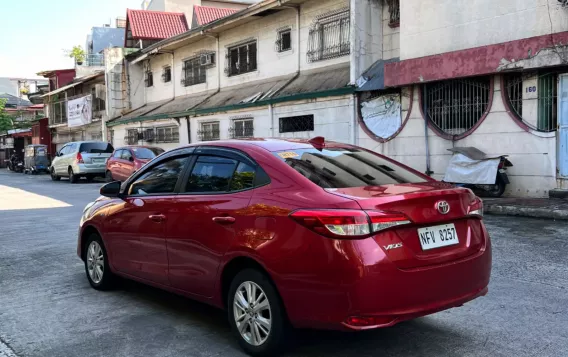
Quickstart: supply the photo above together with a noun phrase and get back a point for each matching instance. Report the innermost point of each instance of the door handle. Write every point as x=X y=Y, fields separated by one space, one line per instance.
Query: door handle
x=158 y=218
x=224 y=220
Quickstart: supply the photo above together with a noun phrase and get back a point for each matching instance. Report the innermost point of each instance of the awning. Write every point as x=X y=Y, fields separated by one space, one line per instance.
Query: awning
x=180 y=105
x=317 y=81
x=374 y=77
x=76 y=82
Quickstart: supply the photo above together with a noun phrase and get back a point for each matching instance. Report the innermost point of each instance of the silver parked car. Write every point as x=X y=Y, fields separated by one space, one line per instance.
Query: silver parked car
x=81 y=159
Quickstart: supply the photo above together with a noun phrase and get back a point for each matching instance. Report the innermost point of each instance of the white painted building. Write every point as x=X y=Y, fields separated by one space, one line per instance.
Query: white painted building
x=411 y=80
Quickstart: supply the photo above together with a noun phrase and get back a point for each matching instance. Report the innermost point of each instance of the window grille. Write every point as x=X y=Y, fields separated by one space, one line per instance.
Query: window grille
x=284 y=41
x=149 y=135
x=545 y=93
x=193 y=73
x=455 y=106
x=168 y=134
x=209 y=131
x=167 y=74
x=149 y=80
x=242 y=128
x=241 y=59
x=296 y=123
x=394 y=12
x=131 y=137
x=329 y=37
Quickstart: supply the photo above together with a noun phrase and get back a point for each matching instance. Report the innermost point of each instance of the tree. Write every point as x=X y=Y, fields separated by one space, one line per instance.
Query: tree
x=6 y=122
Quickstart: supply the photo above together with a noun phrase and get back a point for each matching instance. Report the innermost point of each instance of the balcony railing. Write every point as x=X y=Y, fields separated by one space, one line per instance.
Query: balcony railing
x=94 y=60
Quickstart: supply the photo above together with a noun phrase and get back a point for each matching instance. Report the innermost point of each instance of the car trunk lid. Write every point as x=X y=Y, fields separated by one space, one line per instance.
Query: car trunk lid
x=419 y=244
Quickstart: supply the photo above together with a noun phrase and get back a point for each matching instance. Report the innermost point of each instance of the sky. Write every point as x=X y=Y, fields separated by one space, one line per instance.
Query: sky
x=36 y=33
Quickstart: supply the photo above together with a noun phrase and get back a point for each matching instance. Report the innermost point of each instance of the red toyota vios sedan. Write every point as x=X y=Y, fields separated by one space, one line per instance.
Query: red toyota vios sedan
x=290 y=234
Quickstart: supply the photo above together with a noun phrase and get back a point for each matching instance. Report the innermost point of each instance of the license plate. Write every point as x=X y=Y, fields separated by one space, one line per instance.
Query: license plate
x=99 y=161
x=438 y=236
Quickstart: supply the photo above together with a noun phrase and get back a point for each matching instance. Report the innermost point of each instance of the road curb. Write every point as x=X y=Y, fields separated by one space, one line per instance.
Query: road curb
x=521 y=211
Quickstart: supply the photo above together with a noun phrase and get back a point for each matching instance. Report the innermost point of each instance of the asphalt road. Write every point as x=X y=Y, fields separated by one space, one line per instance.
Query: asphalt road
x=47 y=308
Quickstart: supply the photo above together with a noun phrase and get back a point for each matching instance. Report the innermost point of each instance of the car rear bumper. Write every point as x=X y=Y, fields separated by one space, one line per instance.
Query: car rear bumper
x=82 y=169
x=369 y=291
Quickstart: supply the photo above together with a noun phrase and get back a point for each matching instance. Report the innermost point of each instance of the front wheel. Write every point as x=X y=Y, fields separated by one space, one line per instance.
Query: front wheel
x=495 y=190
x=96 y=264
x=256 y=314
x=54 y=177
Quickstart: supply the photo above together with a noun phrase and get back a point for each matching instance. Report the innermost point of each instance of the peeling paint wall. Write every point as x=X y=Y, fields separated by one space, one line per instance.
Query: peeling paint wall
x=533 y=154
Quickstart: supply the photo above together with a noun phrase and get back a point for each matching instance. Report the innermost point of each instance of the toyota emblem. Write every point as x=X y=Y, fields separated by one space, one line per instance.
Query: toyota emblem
x=443 y=207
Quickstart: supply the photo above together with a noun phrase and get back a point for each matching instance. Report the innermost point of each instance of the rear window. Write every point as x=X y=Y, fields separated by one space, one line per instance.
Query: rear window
x=96 y=148
x=146 y=153
x=346 y=167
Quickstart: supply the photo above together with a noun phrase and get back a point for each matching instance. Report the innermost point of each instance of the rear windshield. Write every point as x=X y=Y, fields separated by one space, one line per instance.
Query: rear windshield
x=96 y=148
x=346 y=167
x=146 y=153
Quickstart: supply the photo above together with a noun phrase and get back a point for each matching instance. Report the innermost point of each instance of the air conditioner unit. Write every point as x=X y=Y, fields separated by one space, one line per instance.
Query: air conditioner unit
x=207 y=59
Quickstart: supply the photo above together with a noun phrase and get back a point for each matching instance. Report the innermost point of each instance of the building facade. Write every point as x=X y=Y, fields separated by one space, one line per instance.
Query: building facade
x=411 y=80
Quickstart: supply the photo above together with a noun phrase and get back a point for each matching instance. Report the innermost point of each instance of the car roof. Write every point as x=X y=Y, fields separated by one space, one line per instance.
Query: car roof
x=269 y=144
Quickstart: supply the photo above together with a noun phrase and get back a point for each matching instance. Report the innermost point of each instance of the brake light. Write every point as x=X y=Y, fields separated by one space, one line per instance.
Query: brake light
x=476 y=208
x=348 y=224
x=79 y=158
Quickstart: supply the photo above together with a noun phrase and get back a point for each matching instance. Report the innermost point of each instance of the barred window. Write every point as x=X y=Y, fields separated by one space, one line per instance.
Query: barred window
x=169 y=134
x=193 y=73
x=167 y=74
x=149 y=79
x=209 y=131
x=241 y=59
x=394 y=12
x=131 y=137
x=534 y=90
x=329 y=37
x=455 y=106
x=297 y=123
x=242 y=128
x=284 y=41
x=58 y=113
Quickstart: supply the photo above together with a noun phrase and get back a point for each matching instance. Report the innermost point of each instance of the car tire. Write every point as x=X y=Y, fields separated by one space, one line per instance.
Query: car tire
x=72 y=177
x=254 y=338
x=108 y=176
x=96 y=264
x=54 y=177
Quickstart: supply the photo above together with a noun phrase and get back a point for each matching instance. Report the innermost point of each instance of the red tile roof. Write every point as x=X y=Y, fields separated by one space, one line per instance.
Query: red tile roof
x=158 y=25
x=207 y=14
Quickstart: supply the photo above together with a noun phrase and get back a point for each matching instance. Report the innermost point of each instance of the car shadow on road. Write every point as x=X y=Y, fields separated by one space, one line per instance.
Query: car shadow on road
x=400 y=340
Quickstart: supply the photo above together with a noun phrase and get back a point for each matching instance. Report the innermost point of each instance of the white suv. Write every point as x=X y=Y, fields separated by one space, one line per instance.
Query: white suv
x=81 y=159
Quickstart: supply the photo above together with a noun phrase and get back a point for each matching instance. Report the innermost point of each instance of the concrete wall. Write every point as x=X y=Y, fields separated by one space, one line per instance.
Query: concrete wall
x=533 y=154
x=120 y=132
x=136 y=86
x=437 y=26
x=391 y=35
x=331 y=119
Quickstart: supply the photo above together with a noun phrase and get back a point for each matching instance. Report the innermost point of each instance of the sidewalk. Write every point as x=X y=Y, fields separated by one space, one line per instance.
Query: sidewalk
x=551 y=208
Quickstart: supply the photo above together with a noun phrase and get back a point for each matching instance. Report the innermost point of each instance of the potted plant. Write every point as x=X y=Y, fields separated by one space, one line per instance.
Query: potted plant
x=78 y=54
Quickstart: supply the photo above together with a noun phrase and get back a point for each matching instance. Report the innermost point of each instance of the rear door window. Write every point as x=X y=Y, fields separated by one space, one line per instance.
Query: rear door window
x=347 y=167
x=126 y=155
x=96 y=148
x=117 y=154
x=211 y=174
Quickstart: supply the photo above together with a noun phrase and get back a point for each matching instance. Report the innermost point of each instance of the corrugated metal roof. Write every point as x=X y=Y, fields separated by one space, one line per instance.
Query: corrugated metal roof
x=318 y=80
x=141 y=111
x=207 y=14
x=181 y=104
x=158 y=25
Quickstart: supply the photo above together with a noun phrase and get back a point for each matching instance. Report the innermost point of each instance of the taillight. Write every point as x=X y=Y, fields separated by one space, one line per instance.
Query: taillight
x=348 y=223
x=476 y=208
x=79 y=158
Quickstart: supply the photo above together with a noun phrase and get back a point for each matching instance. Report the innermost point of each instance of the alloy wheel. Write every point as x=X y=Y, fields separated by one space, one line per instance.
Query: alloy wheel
x=95 y=262
x=252 y=313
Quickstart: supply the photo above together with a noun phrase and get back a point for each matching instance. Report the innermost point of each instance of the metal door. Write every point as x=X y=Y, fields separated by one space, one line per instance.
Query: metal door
x=563 y=127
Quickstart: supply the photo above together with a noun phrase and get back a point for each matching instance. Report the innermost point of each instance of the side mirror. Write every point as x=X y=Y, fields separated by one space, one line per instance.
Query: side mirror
x=111 y=189
x=131 y=159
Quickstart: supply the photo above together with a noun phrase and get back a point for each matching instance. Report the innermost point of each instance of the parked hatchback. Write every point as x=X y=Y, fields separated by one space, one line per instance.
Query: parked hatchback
x=81 y=159
x=126 y=160
x=307 y=234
